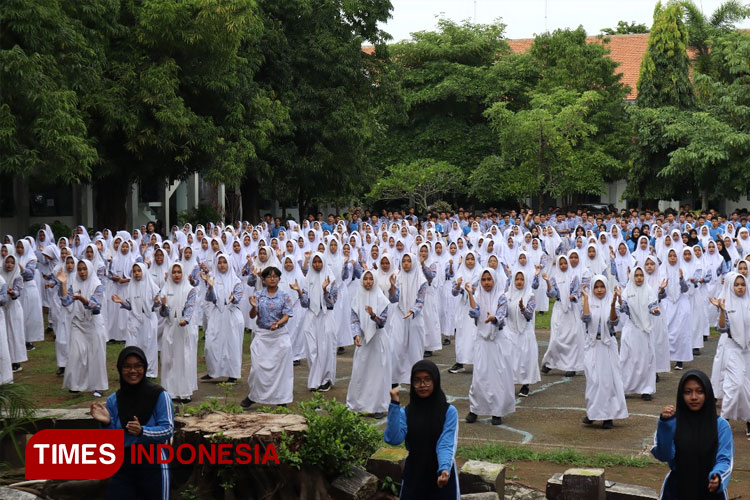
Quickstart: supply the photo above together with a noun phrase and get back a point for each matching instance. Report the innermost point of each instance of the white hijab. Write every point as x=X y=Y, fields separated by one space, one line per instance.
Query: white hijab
x=516 y=319
x=638 y=299
x=487 y=302
x=738 y=310
x=141 y=293
x=409 y=283
x=600 y=312
x=383 y=279
x=176 y=293
x=375 y=298
x=314 y=284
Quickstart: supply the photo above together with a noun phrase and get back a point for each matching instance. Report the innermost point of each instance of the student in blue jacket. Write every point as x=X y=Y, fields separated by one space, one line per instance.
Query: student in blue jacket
x=144 y=410
x=695 y=442
x=430 y=427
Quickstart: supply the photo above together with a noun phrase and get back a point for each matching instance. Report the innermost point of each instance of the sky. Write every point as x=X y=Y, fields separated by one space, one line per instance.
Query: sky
x=525 y=18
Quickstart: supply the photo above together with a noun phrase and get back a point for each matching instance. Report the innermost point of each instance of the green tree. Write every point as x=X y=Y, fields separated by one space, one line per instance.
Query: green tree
x=664 y=79
x=702 y=28
x=446 y=77
x=313 y=59
x=421 y=180
x=625 y=28
x=543 y=149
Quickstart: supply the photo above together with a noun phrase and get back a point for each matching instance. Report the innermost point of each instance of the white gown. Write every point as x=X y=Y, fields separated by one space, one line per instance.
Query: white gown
x=605 y=397
x=492 y=391
x=224 y=336
x=87 y=351
x=31 y=302
x=370 y=384
x=179 y=357
x=637 y=360
x=14 y=330
x=565 y=349
x=735 y=383
x=6 y=371
x=271 y=377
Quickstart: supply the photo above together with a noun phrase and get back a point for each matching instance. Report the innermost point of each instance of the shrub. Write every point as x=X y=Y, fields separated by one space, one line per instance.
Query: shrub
x=335 y=440
x=201 y=215
x=58 y=229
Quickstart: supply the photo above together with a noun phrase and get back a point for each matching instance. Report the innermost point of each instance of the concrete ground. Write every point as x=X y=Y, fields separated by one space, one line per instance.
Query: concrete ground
x=550 y=418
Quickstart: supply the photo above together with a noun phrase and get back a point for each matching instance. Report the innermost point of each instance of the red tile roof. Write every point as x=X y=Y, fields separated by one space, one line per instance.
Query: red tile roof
x=627 y=50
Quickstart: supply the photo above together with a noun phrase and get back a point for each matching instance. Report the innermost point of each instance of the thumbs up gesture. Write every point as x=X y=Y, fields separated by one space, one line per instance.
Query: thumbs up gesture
x=134 y=427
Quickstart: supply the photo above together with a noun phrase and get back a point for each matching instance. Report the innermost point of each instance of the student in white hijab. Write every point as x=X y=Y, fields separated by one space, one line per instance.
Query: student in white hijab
x=637 y=353
x=179 y=346
x=13 y=312
x=6 y=365
x=701 y=304
x=734 y=319
x=429 y=266
x=491 y=391
x=676 y=309
x=226 y=327
x=119 y=274
x=370 y=382
x=31 y=299
x=87 y=350
x=659 y=331
x=520 y=330
x=605 y=398
x=565 y=349
x=468 y=272
x=318 y=295
x=139 y=301
x=407 y=324
x=292 y=276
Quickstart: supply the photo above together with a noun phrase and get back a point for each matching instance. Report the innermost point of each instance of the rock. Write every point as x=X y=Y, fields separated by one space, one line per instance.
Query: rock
x=387 y=462
x=359 y=486
x=583 y=484
x=487 y=495
x=631 y=492
x=14 y=494
x=479 y=477
x=515 y=491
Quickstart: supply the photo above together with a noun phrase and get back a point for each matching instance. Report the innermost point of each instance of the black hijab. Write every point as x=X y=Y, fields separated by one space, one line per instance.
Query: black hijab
x=696 y=441
x=139 y=399
x=425 y=418
x=723 y=251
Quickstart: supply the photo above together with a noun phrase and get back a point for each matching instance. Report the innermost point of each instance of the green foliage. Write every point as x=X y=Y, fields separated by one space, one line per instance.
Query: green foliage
x=58 y=229
x=441 y=206
x=335 y=439
x=390 y=486
x=625 y=28
x=702 y=28
x=445 y=78
x=18 y=412
x=500 y=453
x=211 y=405
x=543 y=149
x=420 y=180
x=199 y=215
x=664 y=78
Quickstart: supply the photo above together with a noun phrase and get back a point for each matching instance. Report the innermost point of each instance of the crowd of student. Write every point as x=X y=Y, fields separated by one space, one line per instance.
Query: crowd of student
x=398 y=288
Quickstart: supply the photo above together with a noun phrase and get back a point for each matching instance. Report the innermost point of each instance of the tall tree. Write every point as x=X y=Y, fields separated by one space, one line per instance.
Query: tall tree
x=664 y=79
x=702 y=28
x=313 y=59
x=623 y=28
x=446 y=77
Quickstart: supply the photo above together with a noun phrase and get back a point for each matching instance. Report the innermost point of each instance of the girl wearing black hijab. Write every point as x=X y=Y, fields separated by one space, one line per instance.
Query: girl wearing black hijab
x=430 y=427
x=144 y=410
x=695 y=442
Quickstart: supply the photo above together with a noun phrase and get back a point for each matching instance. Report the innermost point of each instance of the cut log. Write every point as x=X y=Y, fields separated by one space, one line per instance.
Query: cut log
x=361 y=485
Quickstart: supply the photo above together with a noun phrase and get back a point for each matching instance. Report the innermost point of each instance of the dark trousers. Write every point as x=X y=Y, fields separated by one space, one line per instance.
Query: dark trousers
x=139 y=482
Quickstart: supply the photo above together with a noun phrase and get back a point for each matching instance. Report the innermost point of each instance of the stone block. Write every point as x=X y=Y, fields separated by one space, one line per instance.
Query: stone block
x=361 y=485
x=583 y=484
x=620 y=491
x=477 y=477
x=488 y=495
x=387 y=462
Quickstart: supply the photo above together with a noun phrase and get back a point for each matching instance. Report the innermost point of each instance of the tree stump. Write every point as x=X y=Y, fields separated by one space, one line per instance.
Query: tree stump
x=244 y=481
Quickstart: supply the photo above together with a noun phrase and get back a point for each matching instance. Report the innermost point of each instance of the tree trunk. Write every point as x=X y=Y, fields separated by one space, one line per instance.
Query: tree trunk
x=704 y=199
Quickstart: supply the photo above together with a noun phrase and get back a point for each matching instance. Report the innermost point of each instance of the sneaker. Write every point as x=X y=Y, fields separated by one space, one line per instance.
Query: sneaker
x=296 y=362
x=705 y=338
x=30 y=346
x=587 y=421
x=427 y=354
x=379 y=415
x=457 y=368
x=111 y=341
x=446 y=341
x=696 y=352
x=747 y=429
x=246 y=403
x=231 y=380
x=340 y=351
x=678 y=366
x=607 y=424
x=97 y=394
x=325 y=387
x=471 y=418
x=524 y=392
x=546 y=369
x=60 y=372
x=570 y=374
x=186 y=400
x=497 y=421
x=16 y=367
x=646 y=397
x=657 y=378
x=74 y=392
x=206 y=378
x=393 y=386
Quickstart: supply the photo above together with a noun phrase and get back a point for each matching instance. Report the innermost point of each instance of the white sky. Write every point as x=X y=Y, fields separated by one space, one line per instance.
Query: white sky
x=525 y=18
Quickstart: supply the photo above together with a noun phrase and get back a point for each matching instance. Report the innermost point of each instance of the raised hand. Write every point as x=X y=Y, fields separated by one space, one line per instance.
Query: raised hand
x=545 y=277
x=490 y=318
x=668 y=412
x=254 y=301
x=62 y=276
x=100 y=413
x=294 y=286
x=326 y=283
x=164 y=301
x=664 y=284
x=392 y=279
x=134 y=427
x=370 y=311
x=116 y=299
x=468 y=287
x=395 y=394
x=538 y=270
